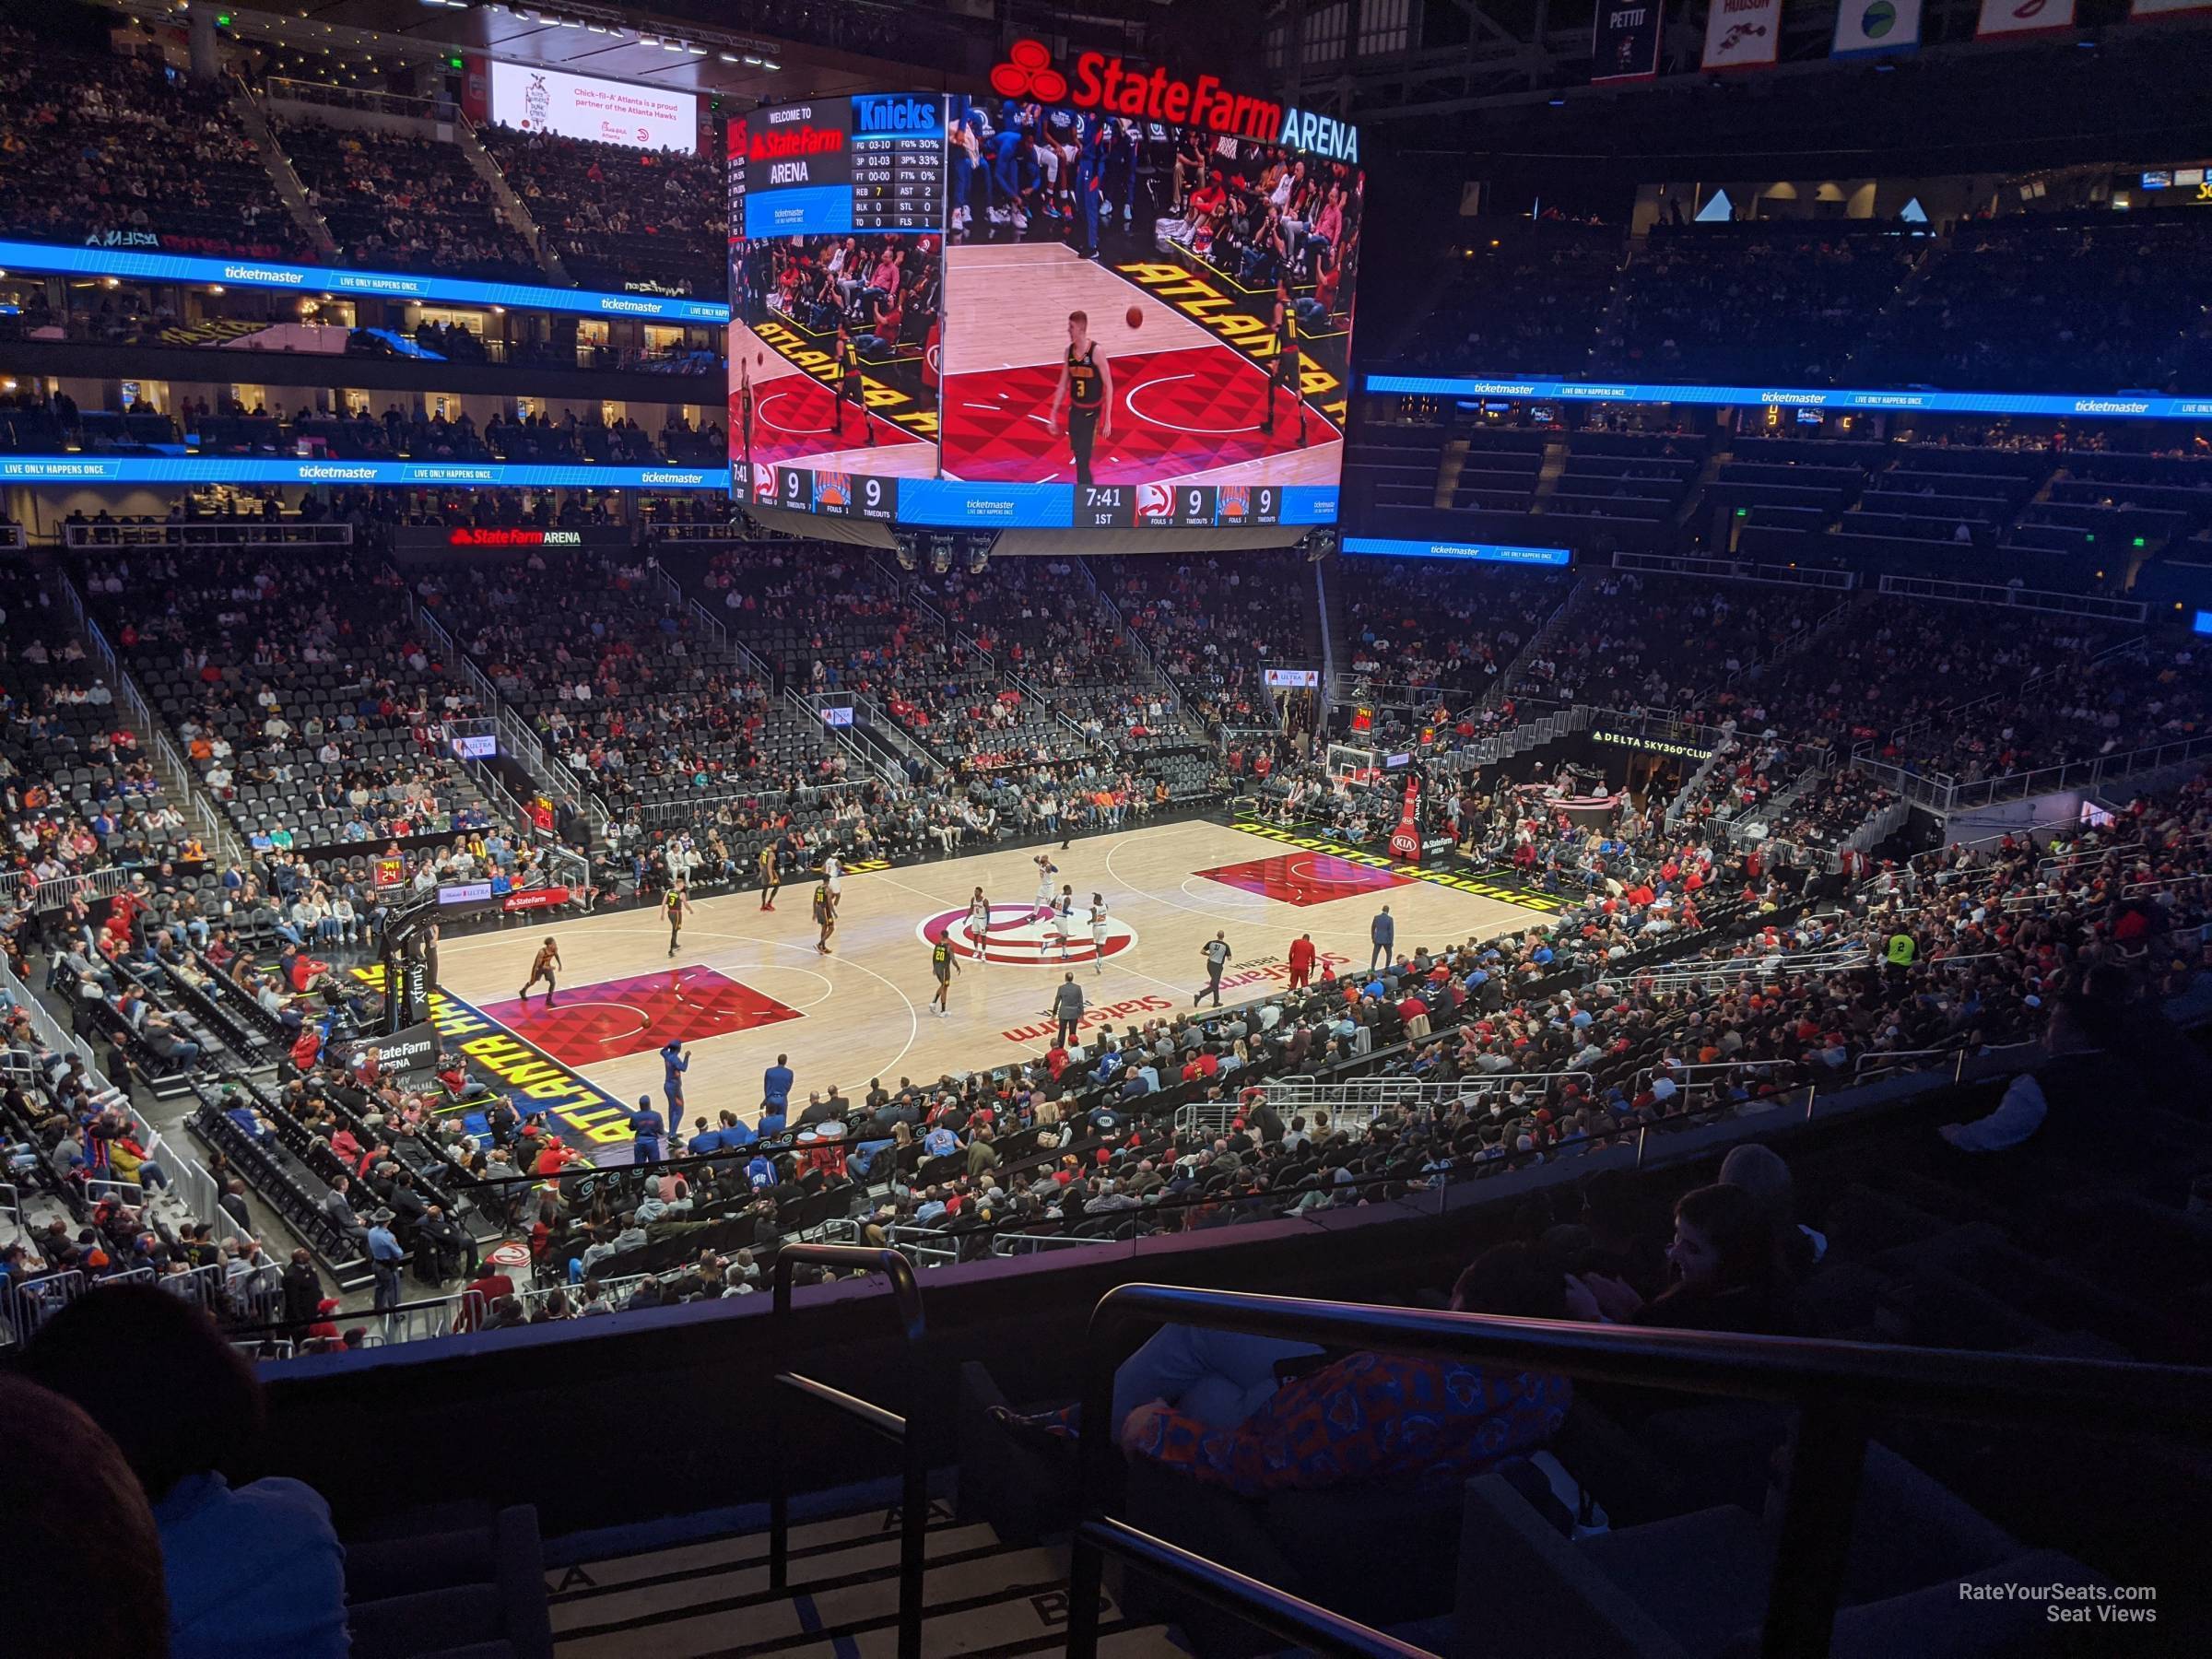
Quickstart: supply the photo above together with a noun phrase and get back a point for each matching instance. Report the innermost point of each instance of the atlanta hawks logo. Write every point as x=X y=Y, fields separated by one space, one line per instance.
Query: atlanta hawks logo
x=1022 y=939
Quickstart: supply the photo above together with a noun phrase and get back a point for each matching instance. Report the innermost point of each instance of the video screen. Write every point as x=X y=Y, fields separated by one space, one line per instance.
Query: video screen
x=1140 y=310
x=972 y=312
x=832 y=378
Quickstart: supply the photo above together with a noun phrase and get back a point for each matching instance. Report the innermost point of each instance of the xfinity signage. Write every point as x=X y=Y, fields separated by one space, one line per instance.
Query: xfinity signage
x=332 y=280
x=2126 y=406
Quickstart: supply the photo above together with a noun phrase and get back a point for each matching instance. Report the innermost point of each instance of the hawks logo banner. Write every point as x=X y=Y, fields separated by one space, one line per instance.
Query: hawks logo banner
x=2023 y=17
x=1624 y=41
x=1869 y=28
x=1743 y=34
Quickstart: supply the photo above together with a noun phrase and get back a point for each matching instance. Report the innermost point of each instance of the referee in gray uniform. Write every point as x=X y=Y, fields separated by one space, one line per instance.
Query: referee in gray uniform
x=1217 y=953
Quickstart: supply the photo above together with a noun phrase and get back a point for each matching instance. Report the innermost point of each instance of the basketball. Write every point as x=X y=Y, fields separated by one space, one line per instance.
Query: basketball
x=1136 y=316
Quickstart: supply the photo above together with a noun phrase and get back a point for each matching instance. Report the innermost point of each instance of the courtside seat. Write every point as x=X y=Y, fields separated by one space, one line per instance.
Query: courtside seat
x=462 y=1580
x=1695 y=1585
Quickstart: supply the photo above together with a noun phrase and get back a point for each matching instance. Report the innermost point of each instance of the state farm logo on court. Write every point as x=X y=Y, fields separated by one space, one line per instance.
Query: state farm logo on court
x=1020 y=937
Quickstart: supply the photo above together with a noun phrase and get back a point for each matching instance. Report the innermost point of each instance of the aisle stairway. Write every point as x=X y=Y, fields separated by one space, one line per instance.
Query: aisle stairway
x=712 y=1598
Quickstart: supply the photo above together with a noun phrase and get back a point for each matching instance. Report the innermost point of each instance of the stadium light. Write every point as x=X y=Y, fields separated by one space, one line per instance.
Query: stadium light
x=769 y=64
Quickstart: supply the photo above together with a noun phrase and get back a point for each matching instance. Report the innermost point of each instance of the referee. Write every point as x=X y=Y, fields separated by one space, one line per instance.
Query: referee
x=1217 y=953
x=1086 y=389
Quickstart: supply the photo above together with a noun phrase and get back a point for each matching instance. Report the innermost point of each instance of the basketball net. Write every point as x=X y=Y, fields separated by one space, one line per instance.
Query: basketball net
x=1407 y=843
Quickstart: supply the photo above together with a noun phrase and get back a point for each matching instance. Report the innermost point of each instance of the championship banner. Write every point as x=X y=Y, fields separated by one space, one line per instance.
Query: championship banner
x=1869 y=28
x=2023 y=17
x=1624 y=43
x=1743 y=34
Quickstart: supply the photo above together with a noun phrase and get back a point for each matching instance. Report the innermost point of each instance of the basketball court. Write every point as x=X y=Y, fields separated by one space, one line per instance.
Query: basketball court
x=794 y=410
x=747 y=985
x=1187 y=408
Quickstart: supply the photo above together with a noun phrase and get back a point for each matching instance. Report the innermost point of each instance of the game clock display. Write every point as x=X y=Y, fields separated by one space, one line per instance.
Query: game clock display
x=1176 y=506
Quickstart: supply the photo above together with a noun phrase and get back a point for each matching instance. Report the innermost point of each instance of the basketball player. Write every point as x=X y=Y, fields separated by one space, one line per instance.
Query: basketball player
x=979 y=923
x=676 y=907
x=1284 y=371
x=825 y=918
x=549 y=960
x=771 y=879
x=745 y=414
x=1097 y=932
x=1046 y=870
x=1086 y=389
x=847 y=356
x=833 y=877
x=943 y=962
x=1064 y=917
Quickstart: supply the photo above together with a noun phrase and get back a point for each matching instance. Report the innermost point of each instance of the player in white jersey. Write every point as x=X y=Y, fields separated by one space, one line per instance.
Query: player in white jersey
x=979 y=923
x=1046 y=870
x=1064 y=918
x=1097 y=932
x=833 y=876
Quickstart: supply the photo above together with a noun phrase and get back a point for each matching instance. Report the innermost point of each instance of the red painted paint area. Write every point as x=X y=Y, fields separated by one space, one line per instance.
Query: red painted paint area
x=1175 y=413
x=792 y=416
x=1305 y=879
x=591 y=1023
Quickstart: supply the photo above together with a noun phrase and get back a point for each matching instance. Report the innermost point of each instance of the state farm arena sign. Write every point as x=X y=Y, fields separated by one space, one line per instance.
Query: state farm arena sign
x=1104 y=83
x=1021 y=937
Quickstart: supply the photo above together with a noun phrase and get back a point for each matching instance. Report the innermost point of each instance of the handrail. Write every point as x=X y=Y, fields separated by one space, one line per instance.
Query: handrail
x=1838 y=1387
x=913 y=1496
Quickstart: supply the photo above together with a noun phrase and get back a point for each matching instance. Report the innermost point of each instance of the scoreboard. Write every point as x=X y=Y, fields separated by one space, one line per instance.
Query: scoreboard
x=1177 y=506
x=836 y=165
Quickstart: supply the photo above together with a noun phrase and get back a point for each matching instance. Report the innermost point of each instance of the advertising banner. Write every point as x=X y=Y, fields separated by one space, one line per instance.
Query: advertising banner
x=533 y=100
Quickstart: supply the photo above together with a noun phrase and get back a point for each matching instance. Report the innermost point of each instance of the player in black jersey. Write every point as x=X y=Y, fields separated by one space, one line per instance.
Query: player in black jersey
x=1086 y=389
x=1285 y=370
x=745 y=413
x=848 y=372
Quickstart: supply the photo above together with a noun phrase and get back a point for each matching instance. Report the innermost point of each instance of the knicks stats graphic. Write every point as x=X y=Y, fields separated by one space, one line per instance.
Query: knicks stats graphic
x=1097 y=298
x=1021 y=936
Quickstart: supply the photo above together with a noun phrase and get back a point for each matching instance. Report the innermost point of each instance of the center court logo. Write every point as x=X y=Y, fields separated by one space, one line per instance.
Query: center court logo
x=1020 y=938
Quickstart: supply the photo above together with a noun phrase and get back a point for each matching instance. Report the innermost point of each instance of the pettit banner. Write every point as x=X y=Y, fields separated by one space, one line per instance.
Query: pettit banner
x=1869 y=28
x=1742 y=34
x=1624 y=43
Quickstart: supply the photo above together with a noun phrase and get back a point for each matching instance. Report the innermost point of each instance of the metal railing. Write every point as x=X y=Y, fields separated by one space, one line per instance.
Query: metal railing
x=209 y=534
x=902 y=1432
x=1734 y=570
x=1837 y=1389
x=1359 y=1100
x=1941 y=793
x=2010 y=598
